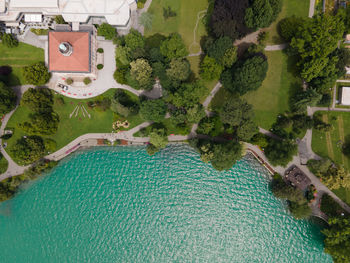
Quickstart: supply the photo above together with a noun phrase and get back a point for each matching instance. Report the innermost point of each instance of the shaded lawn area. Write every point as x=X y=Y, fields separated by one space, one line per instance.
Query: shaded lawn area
x=184 y=22
x=71 y=128
x=298 y=8
x=341 y=124
x=273 y=97
x=3 y=164
x=17 y=58
x=169 y=127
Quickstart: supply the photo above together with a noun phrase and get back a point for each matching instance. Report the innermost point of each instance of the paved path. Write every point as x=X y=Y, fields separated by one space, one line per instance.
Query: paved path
x=276 y=47
x=268 y=133
x=32 y=39
x=334 y=101
x=207 y=101
x=343 y=80
x=312 y=8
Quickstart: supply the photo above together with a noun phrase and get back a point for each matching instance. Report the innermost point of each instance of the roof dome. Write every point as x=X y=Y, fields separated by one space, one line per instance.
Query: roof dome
x=65 y=48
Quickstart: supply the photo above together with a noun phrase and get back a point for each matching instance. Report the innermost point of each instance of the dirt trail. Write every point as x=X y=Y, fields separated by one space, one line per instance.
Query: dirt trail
x=328 y=138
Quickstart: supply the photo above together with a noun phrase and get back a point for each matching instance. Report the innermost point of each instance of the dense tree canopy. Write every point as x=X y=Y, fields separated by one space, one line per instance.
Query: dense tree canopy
x=187 y=95
x=29 y=149
x=224 y=52
x=44 y=123
x=305 y=98
x=280 y=152
x=337 y=241
x=173 y=47
x=36 y=74
x=7 y=99
x=9 y=40
x=153 y=110
x=134 y=40
x=246 y=76
x=259 y=14
x=141 y=71
x=38 y=99
x=288 y=27
x=123 y=104
x=227 y=18
x=209 y=69
x=179 y=69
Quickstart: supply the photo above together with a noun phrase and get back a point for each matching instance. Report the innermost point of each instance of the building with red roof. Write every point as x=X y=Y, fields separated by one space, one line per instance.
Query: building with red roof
x=70 y=52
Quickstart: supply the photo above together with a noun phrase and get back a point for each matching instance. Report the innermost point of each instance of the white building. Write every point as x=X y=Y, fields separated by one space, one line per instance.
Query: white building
x=345 y=96
x=116 y=12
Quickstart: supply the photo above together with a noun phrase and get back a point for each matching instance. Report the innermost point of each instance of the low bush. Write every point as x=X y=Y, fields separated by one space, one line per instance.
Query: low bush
x=100 y=50
x=69 y=81
x=87 y=81
x=140 y=5
x=100 y=66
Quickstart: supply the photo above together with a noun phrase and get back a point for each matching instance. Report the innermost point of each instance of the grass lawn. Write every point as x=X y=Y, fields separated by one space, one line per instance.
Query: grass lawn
x=169 y=127
x=329 y=144
x=19 y=57
x=3 y=164
x=272 y=98
x=184 y=22
x=77 y=125
x=290 y=7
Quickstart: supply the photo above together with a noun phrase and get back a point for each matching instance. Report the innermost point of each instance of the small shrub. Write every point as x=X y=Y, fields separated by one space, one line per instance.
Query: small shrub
x=59 y=101
x=69 y=81
x=120 y=75
x=167 y=12
x=100 y=50
x=87 y=81
x=9 y=40
x=100 y=66
x=140 y=5
x=60 y=20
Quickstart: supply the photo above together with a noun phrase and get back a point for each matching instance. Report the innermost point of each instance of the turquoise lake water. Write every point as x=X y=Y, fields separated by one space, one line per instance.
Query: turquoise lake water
x=120 y=205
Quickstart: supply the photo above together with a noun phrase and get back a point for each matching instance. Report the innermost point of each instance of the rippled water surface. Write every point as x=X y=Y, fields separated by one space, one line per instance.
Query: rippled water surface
x=120 y=205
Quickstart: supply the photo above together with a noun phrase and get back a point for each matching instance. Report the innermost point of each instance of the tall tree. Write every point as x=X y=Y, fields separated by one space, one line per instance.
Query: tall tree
x=36 y=74
x=179 y=69
x=173 y=47
x=141 y=71
x=153 y=110
x=7 y=99
x=259 y=14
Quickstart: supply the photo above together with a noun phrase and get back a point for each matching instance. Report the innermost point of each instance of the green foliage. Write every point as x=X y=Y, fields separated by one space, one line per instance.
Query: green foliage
x=39 y=31
x=330 y=207
x=224 y=52
x=7 y=99
x=280 y=152
x=153 y=110
x=195 y=113
x=187 y=95
x=29 y=149
x=209 y=69
x=141 y=71
x=9 y=40
x=248 y=75
x=239 y=115
x=168 y=12
x=173 y=47
x=122 y=56
x=319 y=166
x=123 y=104
x=134 y=40
x=305 y=98
x=107 y=31
x=36 y=74
x=288 y=27
x=50 y=145
x=87 y=81
x=99 y=66
x=44 y=123
x=120 y=75
x=100 y=50
x=38 y=99
x=146 y=20
x=300 y=211
x=179 y=69
x=335 y=178
x=337 y=241
x=211 y=126
x=222 y=156
x=60 y=20
x=315 y=41
x=158 y=138
x=259 y=15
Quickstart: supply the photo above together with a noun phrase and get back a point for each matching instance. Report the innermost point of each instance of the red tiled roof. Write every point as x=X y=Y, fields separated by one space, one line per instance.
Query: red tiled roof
x=78 y=61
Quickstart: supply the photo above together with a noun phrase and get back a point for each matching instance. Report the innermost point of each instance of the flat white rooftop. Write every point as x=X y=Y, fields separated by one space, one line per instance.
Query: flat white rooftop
x=345 y=96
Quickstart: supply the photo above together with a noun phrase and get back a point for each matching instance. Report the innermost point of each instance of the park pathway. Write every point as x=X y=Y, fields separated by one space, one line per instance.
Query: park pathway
x=276 y=47
x=312 y=8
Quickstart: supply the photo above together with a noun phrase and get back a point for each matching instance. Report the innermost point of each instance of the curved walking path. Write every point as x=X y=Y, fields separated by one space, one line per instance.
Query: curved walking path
x=200 y=15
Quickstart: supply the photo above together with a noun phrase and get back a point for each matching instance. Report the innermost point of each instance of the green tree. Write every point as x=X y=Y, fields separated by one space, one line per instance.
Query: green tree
x=225 y=155
x=141 y=71
x=9 y=40
x=305 y=98
x=146 y=20
x=335 y=178
x=123 y=104
x=107 y=31
x=153 y=110
x=7 y=99
x=288 y=27
x=195 y=113
x=259 y=15
x=173 y=47
x=36 y=74
x=280 y=152
x=134 y=40
x=45 y=123
x=29 y=149
x=158 y=138
x=224 y=52
x=187 y=95
x=337 y=241
x=249 y=75
x=209 y=69
x=122 y=56
x=300 y=210
x=180 y=69
x=60 y=20
x=38 y=99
